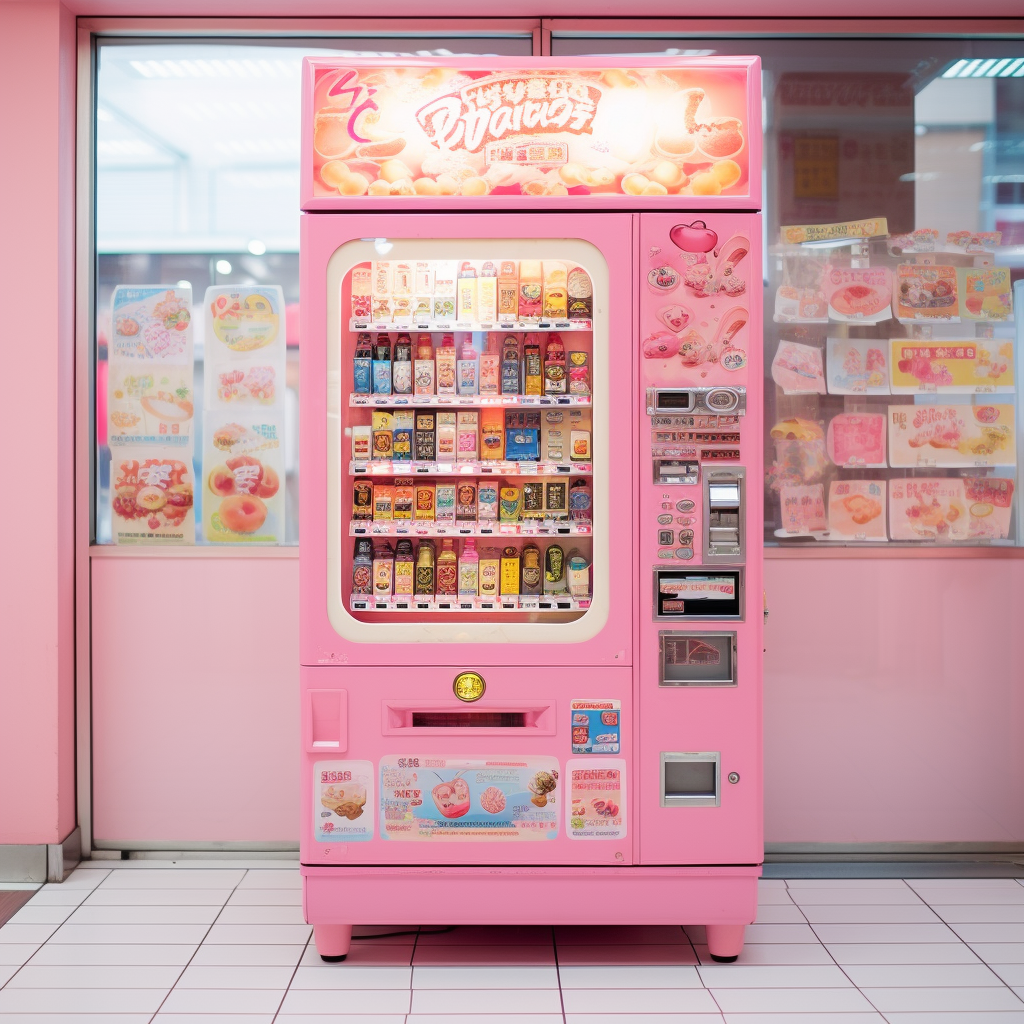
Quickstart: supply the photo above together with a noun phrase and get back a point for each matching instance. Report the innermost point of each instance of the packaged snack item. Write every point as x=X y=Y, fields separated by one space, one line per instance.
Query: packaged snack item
x=151 y=499
x=401 y=370
x=447 y=574
x=578 y=575
x=554 y=437
x=362 y=365
x=423 y=367
x=579 y=373
x=533 y=376
x=581 y=295
x=401 y=445
x=383 y=424
x=401 y=280
x=492 y=434
x=362 y=499
x=487 y=294
x=555 y=381
x=469 y=570
x=556 y=501
x=445 y=361
x=928 y=508
x=986 y=293
x=468 y=436
x=487 y=502
x=490 y=567
x=445 y=276
x=510 y=501
x=405 y=568
x=382 y=279
x=381 y=365
x=468 y=368
x=530 y=290
x=446 y=424
x=405 y=497
x=554 y=570
x=856 y=510
x=490 y=370
x=581 y=500
x=383 y=502
x=465 y=501
x=362 y=567
x=423 y=442
x=522 y=429
x=509 y=571
x=508 y=291
x=425 y=502
x=532 y=573
x=444 y=507
x=383 y=570
x=362 y=284
x=425 y=556
x=467 y=285
x=244 y=476
x=533 y=499
x=423 y=282
x=579 y=435
x=555 y=293
x=510 y=369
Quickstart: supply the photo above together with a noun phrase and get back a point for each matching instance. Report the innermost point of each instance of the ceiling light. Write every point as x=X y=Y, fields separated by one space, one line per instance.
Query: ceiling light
x=184 y=284
x=382 y=246
x=223 y=267
x=990 y=67
x=256 y=247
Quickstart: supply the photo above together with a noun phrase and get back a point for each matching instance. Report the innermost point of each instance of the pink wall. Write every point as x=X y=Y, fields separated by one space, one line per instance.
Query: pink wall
x=37 y=638
x=893 y=700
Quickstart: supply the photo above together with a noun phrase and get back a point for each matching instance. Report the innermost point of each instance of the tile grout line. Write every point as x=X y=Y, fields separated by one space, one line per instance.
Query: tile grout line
x=558 y=972
x=199 y=945
x=288 y=987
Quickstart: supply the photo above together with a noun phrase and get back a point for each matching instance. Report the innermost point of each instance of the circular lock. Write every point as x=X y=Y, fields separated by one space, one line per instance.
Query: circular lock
x=469 y=686
x=734 y=777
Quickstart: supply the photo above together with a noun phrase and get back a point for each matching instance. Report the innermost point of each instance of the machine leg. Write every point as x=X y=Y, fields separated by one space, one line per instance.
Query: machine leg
x=725 y=942
x=332 y=941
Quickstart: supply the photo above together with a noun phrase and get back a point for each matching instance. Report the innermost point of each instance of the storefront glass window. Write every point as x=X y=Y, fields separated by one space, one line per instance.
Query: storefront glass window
x=196 y=178
x=891 y=349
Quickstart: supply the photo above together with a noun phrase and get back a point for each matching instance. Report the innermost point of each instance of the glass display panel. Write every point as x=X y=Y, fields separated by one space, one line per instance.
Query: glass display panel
x=894 y=220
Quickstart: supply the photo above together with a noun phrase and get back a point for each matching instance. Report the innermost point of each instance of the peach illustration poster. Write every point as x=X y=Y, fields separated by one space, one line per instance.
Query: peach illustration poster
x=596 y=807
x=151 y=498
x=392 y=130
x=951 y=435
x=441 y=799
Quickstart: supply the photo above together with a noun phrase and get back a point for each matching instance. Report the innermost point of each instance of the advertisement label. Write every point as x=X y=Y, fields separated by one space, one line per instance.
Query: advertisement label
x=596 y=807
x=343 y=801
x=596 y=726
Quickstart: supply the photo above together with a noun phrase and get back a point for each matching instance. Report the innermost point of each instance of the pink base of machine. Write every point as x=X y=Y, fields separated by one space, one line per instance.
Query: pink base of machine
x=723 y=899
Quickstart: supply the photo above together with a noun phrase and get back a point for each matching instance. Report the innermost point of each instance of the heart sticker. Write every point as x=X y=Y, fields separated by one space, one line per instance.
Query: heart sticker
x=695 y=237
x=675 y=318
x=452 y=798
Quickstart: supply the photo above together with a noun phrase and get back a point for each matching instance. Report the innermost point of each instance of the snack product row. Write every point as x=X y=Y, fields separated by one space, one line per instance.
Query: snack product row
x=457 y=569
x=816 y=292
x=559 y=437
x=471 y=291
x=897 y=366
x=506 y=365
x=905 y=436
x=482 y=504
x=919 y=508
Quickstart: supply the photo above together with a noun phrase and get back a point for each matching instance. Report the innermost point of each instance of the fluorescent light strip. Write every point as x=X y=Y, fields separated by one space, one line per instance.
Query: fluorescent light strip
x=1004 y=67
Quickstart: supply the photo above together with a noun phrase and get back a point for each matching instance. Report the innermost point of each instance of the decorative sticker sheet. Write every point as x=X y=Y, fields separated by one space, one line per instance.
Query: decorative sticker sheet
x=243 y=498
x=803 y=509
x=446 y=799
x=596 y=806
x=857 y=439
x=149 y=404
x=986 y=294
x=857 y=366
x=343 y=804
x=856 y=510
x=951 y=435
x=975 y=365
x=858 y=295
x=435 y=131
x=596 y=726
x=925 y=293
x=245 y=347
x=151 y=498
x=928 y=508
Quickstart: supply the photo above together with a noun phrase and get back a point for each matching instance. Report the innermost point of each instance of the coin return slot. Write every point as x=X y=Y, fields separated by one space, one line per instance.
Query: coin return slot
x=690 y=780
x=445 y=719
x=723 y=515
x=468 y=720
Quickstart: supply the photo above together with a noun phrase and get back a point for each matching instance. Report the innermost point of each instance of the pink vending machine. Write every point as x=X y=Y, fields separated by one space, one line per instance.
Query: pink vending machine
x=531 y=596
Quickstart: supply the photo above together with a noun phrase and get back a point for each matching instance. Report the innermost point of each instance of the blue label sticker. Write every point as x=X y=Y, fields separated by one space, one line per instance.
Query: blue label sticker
x=596 y=726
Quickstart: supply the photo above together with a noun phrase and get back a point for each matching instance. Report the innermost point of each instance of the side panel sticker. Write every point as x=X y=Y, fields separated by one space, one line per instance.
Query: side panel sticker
x=596 y=726
x=596 y=805
x=439 y=799
x=343 y=801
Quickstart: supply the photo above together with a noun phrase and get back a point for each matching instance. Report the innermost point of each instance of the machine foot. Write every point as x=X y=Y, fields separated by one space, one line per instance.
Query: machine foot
x=332 y=941
x=725 y=942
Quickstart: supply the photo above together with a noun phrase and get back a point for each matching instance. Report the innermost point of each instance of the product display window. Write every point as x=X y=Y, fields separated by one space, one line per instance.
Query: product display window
x=894 y=234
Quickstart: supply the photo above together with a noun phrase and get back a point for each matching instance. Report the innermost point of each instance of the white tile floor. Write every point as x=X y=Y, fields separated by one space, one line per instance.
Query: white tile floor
x=135 y=943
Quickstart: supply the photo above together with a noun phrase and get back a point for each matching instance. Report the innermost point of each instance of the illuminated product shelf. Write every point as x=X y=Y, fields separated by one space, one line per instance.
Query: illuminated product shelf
x=450 y=605
x=463 y=401
x=517 y=326
x=413 y=528
x=388 y=468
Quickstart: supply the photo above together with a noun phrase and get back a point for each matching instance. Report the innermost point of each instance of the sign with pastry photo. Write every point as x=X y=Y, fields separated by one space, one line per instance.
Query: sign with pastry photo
x=343 y=805
x=951 y=435
x=974 y=365
x=856 y=510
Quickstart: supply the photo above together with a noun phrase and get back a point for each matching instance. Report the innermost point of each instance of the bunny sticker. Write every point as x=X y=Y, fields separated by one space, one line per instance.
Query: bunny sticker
x=712 y=272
